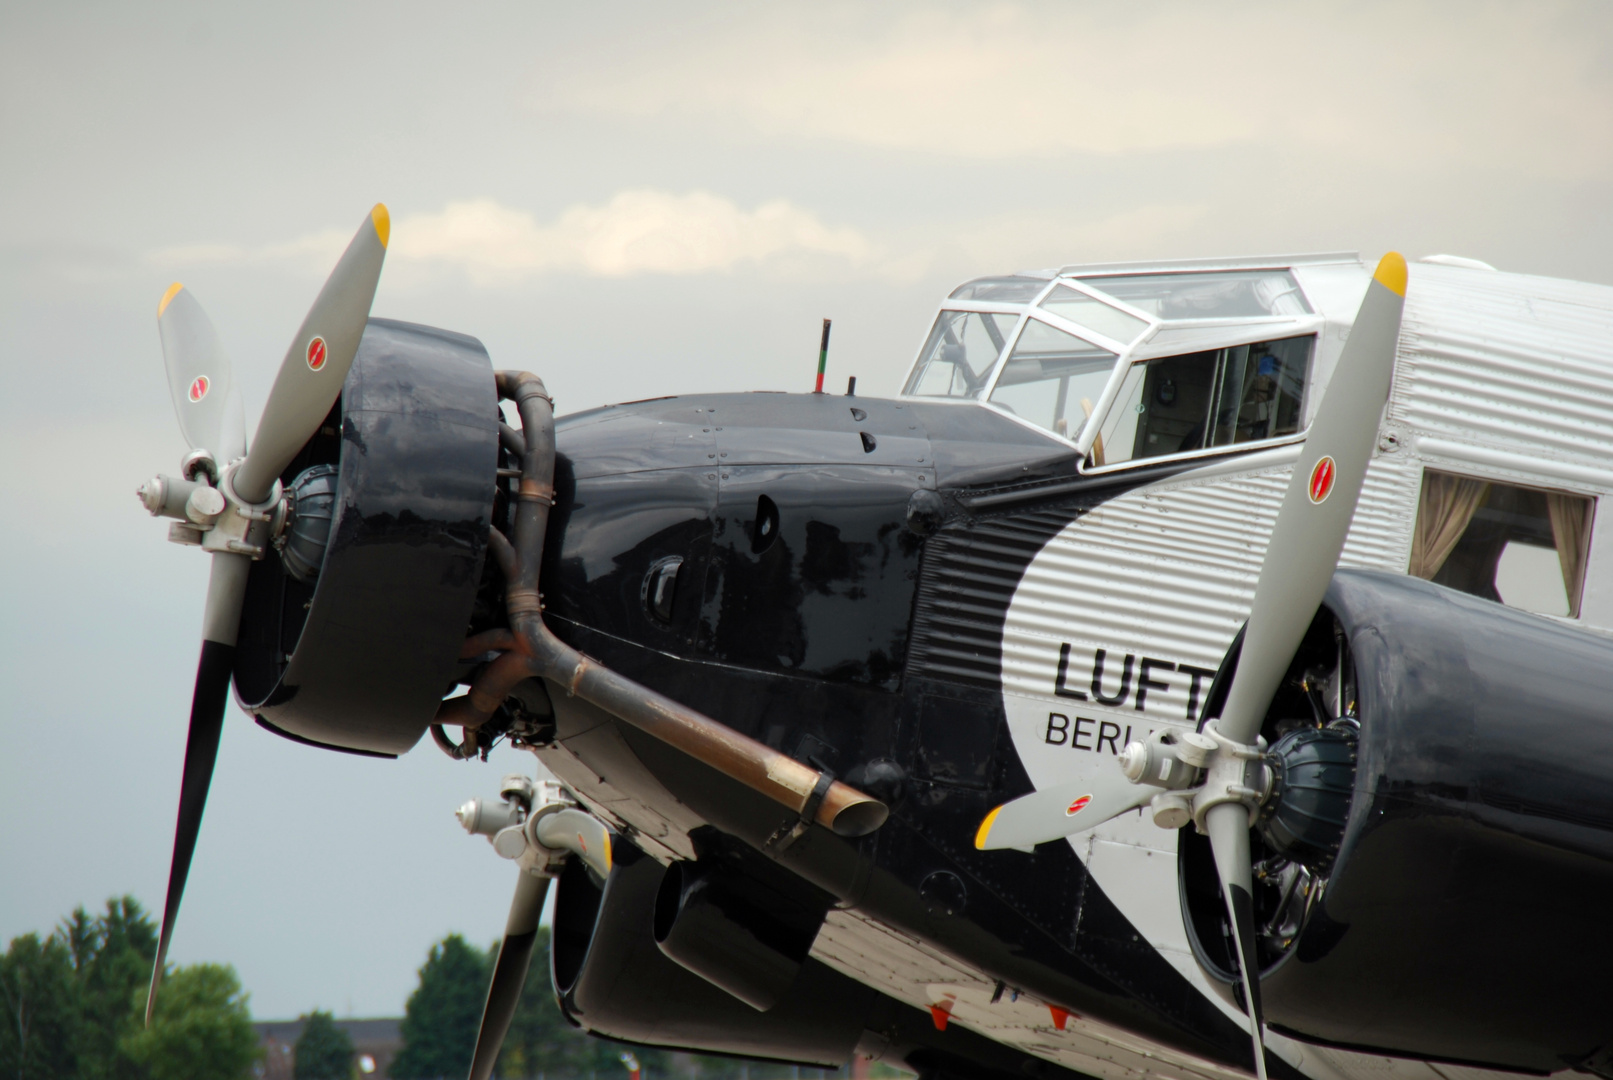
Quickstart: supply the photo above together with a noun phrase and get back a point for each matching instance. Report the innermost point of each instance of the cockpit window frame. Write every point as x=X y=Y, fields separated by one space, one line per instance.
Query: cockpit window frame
x=1241 y=330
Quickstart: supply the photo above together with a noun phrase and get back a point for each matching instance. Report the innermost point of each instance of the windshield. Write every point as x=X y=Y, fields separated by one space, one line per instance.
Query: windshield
x=959 y=353
x=1052 y=378
x=1083 y=310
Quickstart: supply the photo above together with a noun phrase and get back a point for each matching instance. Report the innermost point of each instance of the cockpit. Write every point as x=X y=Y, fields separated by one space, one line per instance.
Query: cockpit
x=1127 y=364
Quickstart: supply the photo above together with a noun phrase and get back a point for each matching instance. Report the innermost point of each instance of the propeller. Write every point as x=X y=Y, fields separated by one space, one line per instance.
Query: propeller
x=539 y=827
x=1312 y=523
x=231 y=519
x=509 y=972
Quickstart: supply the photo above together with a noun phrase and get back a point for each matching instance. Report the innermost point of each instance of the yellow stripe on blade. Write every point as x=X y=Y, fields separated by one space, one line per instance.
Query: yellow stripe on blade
x=167 y=298
x=1391 y=273
x=985 y=828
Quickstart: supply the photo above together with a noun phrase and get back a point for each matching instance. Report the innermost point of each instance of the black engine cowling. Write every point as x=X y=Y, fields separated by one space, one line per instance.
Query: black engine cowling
x=1461 y=911
x=353 y=647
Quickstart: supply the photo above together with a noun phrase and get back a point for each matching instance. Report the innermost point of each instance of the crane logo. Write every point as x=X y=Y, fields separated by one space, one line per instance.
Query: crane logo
x=317 y=354
x=1322 y=476
x=198 y=388
x=1077 y=806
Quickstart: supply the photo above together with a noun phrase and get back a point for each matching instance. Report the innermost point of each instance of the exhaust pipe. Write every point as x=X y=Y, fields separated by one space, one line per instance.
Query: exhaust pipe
x=814 y=796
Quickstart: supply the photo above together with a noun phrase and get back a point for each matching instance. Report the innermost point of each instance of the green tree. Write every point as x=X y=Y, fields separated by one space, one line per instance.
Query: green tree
x=323 y=1050
x=201 y=1029
x=442 y=1015
x=43 y=1016
x=112 y=957
x=541 y=1040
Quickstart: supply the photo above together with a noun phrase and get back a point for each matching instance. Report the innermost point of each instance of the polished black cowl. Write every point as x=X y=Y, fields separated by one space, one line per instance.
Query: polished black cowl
x=358 y=657
x=1464 y=917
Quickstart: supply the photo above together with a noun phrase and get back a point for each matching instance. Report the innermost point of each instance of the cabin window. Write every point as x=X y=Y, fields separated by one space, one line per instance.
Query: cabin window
x=1203 y=400
x=958 y=355
x=1218 y=295
x=1520 y=546
x=1052 y=378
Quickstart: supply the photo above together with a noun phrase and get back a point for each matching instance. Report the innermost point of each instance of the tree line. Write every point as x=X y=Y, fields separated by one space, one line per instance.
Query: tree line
x=74 y=1007
x=75 y=1003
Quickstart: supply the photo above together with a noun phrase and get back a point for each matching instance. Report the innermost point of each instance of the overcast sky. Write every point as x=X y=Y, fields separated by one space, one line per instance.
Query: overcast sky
x=634 y=200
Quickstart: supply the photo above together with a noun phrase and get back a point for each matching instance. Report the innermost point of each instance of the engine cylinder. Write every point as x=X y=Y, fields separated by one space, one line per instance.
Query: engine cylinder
x=1315 y=775
x=312 y=499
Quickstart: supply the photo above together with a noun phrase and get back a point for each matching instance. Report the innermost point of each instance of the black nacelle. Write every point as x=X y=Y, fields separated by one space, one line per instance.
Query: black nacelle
x=734 y=931
x=613 y=979
x=352 y=628
x=1453 y=910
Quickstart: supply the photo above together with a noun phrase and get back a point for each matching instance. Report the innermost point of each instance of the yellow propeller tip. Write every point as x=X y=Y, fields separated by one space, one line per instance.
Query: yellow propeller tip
x=985 y=828
x=383 y=223
x=607 y=854
x=167 y=298
x=1391 y=273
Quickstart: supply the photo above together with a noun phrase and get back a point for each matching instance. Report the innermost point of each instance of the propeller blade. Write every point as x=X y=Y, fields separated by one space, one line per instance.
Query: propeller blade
x=226 y=588
x=1320 y=502
x=1061 y=810
x=200 y=379
x=509 y=972
x=316 y=365
x=1312 y=524
x=1228 y=826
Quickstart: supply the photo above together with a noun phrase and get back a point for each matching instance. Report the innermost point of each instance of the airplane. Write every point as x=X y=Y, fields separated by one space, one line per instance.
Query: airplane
x=1199 y=670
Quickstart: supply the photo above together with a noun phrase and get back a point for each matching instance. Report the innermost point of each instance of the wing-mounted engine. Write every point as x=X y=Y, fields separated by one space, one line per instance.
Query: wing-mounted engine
x=1433 y=860
x=353 y=622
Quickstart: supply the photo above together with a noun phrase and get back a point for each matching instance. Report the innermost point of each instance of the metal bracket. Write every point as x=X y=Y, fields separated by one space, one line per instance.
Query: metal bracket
x=788 y=835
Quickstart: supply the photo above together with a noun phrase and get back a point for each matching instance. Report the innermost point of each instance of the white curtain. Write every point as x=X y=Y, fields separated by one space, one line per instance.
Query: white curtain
x=1570 y=528
x=1443 y=512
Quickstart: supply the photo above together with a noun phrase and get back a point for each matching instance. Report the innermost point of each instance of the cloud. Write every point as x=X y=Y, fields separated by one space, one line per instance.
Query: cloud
x=312 y=251
x=1405 y=84
x=637 y=232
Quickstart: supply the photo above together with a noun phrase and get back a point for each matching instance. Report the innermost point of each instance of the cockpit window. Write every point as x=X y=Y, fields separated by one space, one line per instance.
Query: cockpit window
x=1017 y=289
x=1223 y=397
x=1052 y=378
x=1223 y=295
x=958 y=356
x=1083 y=310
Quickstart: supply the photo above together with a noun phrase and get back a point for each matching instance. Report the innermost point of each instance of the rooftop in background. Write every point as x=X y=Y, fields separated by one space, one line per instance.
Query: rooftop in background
x=379 y=1039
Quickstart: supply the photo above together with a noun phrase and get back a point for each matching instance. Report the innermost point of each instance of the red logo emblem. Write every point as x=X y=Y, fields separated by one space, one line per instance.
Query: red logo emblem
x=1322 y=477
x=1077 y=806
x=198 y=388
x=317 y=354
